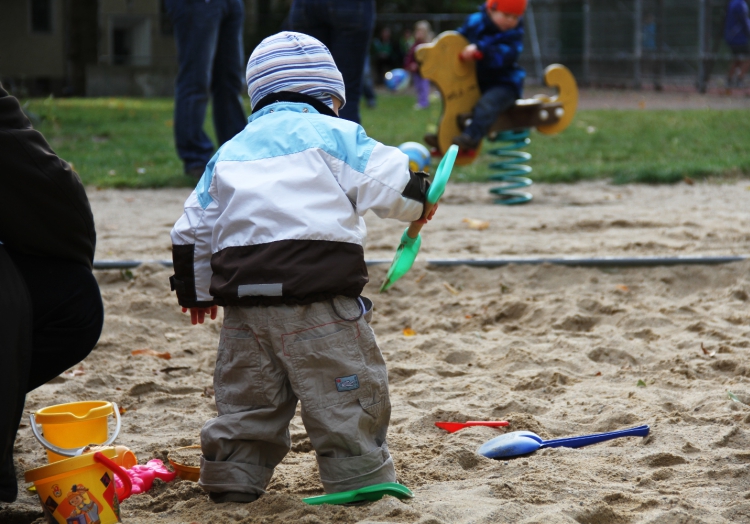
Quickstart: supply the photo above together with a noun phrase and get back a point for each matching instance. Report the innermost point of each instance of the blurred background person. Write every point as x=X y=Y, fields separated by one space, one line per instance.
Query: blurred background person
x=345 y=27
x=384 y=54
x=208 y=35
x=422 y=34
x=737 y=37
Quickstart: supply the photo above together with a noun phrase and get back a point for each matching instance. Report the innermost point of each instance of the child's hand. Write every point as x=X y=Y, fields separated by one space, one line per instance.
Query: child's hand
x=429 y=212
x=469 y=52
x=197 y=314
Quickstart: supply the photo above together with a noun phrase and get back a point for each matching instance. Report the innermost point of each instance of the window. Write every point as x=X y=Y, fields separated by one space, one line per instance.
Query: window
x=41 y=16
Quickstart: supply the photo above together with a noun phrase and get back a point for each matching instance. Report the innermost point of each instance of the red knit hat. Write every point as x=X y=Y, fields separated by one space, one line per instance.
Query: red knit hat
x=513 y=7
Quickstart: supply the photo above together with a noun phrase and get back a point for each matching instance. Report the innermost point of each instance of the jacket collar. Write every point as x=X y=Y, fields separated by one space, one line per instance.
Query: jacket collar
x=11 y=115
x=288 y=96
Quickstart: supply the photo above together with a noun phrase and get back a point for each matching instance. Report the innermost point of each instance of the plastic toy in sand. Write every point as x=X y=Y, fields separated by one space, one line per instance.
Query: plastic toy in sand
x=142 y=476
x=366 y=494
x=525 y=442
x=397 y=79
x=452 y=427
x=440 y=62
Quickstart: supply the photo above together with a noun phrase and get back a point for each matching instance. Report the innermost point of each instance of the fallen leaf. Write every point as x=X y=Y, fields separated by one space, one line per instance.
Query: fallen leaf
x=733 y=397
x=706 y=352
x=623 y=288
x=409 y=332
x=598 y=374
x=451 y=288
x=689 y=181
x=122 y=410
x=641 y=384
x=151 y=353
x=420 y=278
x=467 y=316
x=476 y=224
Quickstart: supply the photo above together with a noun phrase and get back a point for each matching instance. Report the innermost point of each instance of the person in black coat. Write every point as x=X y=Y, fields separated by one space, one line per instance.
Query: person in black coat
x=51 y=311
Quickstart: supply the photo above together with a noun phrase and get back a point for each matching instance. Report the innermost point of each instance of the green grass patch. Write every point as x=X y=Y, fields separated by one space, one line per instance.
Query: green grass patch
x=129 y=142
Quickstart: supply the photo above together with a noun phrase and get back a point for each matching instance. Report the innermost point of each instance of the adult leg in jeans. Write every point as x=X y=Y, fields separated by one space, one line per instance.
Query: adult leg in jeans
x=196 y=30
x=15 y=348
x=227 y=81
x=492 y=104
x=345 y=28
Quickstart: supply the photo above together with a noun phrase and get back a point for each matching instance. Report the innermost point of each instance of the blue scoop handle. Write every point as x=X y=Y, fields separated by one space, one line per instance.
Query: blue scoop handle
x=586 y=440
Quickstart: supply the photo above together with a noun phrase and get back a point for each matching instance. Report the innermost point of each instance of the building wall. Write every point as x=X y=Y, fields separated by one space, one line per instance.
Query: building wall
x=24 y=54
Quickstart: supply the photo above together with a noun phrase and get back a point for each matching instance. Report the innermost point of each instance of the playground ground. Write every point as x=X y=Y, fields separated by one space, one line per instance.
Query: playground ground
x=559 y=351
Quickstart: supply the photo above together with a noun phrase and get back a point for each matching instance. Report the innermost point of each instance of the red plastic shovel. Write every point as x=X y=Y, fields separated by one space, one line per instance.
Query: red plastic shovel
x=452 y=427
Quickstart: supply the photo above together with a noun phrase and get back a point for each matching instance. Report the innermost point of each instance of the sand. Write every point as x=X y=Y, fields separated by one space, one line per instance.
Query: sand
x=559 y=351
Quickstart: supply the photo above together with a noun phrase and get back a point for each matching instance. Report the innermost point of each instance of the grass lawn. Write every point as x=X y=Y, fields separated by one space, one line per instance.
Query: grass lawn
x=129 y=142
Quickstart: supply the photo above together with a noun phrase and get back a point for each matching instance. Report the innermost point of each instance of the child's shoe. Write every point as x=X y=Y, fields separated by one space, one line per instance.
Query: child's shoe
x=232 y=496
x=465 y=142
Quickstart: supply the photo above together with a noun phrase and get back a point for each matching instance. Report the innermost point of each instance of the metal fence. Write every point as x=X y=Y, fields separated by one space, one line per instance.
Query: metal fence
x=616 y=43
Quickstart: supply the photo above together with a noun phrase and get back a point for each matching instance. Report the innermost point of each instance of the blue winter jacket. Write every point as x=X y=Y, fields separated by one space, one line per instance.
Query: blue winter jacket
x=737 y=25
x=501 y=50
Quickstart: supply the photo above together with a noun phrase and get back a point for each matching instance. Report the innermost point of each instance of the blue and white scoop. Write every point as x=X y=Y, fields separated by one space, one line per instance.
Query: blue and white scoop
x=524 y=442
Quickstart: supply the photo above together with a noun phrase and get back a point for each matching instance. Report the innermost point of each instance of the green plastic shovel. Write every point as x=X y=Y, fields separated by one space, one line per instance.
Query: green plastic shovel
x=411 y=240
x=366 y=494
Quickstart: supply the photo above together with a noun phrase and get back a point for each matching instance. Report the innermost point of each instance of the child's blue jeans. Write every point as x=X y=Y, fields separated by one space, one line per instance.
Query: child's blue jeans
x=495 y=101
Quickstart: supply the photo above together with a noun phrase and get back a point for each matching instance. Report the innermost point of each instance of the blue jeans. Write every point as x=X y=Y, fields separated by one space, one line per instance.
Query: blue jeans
x=345 y=27
x=494 y=102
x=208 y=34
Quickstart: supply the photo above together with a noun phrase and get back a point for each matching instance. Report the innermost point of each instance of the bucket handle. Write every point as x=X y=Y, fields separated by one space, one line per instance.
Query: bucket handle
x=73 y=452
x=127 y=484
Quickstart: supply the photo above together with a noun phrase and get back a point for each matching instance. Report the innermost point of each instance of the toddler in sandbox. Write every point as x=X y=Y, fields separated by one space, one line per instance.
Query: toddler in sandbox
x=274 y=233
x=495 y=34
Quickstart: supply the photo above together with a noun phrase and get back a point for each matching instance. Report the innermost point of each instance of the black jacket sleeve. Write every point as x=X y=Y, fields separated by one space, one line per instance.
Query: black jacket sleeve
x=44 y=210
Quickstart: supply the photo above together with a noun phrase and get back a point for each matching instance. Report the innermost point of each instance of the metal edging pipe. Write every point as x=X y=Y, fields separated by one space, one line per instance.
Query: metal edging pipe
x=499 y=262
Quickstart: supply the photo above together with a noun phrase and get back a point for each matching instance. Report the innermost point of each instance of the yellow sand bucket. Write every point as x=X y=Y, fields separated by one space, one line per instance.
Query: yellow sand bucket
x=81 y=490
x=68 y=428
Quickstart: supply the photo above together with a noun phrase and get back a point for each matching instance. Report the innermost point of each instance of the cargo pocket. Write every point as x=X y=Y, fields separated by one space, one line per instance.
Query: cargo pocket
x=238 y=380
x=329 y=370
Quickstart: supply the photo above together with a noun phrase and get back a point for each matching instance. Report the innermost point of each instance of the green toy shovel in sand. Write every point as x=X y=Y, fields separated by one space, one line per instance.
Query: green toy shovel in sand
x=411 y=240
x=366 y=494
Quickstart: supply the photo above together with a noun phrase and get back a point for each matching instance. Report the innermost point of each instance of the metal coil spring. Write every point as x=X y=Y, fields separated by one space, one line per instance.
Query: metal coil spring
x=512 y=167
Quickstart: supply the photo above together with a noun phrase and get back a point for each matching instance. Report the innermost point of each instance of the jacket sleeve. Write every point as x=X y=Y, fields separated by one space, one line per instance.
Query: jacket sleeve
x=191 y=245
x=377 y=177
x=501 y=50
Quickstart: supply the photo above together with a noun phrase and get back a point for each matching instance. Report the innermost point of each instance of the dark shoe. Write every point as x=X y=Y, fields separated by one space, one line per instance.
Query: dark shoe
x=463 y=120
x=431 y=140
x=195 y=171
x=232 y=496
x=8 y=483
x=465 y=142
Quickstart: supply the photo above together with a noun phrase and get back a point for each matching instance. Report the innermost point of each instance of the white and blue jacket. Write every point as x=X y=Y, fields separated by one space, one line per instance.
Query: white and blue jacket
x=277 y=216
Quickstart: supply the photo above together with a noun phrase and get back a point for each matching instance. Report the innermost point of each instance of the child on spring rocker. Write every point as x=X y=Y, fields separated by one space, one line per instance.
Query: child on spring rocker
x=274 y=233
x=495 y=34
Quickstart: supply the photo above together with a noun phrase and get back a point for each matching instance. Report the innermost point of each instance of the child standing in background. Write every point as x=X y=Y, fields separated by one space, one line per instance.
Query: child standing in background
x=495 y=34
x=422 y=34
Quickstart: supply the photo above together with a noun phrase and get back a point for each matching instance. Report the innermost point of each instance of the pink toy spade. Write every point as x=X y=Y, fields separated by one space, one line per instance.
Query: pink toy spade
x=142 y=476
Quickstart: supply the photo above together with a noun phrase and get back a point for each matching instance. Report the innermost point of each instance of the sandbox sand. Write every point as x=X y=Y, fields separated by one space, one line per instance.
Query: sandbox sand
x=552 y=349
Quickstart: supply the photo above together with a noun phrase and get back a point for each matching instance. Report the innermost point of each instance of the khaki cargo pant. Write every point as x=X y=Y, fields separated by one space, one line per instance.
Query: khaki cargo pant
x=271 y=357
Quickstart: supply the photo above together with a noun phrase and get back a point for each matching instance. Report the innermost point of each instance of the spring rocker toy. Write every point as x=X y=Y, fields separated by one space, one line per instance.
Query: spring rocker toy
x=439 y=62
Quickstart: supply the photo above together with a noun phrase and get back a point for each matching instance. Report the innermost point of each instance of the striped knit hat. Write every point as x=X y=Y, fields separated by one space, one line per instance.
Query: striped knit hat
x=294 y=62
